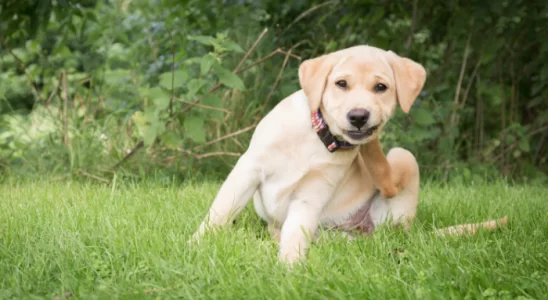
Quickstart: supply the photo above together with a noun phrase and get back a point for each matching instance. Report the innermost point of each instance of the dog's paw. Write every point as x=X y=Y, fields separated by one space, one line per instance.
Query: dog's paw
x=389 y=191
x=290 y=258
x=197 y=236
x=194 y=239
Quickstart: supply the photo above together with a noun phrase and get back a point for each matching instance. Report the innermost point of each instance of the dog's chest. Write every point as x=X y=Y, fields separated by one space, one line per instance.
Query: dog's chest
x=288 y=173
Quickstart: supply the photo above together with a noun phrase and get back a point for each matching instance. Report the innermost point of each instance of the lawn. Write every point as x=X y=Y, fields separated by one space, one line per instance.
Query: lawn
x=87 y=240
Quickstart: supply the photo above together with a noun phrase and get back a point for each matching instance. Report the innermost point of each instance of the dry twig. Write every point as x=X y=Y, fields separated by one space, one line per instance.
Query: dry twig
x=471 y=228
x=203 y=106
x=22 y=67
x=82 y=172
x=459 y=82
x=218 y=153
x=65 y=109
x=277 y=80
x=512 y=146
x=233 y=134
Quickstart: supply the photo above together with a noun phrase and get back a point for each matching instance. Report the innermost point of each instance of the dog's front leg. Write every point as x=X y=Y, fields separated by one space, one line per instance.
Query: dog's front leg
x=379 y=168
x=233 y=195
x=302 y=221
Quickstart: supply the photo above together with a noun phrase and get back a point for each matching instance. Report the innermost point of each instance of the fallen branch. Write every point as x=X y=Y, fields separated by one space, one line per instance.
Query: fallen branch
x=218 y=153
x=471 y=228
x=82 y=172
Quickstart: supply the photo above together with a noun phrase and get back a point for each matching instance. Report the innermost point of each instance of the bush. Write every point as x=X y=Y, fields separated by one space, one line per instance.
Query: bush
x=86 y=84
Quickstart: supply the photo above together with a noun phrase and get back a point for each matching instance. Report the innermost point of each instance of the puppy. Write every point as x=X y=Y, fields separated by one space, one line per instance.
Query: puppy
x=315 y=159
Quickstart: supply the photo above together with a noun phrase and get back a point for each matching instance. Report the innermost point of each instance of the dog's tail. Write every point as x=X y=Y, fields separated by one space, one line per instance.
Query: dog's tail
x=471 y=228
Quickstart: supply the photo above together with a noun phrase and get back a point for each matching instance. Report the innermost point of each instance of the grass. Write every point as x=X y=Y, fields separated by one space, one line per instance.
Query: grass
x=84 y=240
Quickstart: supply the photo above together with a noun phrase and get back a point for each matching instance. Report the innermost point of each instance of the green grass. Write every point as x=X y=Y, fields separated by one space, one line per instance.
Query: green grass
x=98 y=241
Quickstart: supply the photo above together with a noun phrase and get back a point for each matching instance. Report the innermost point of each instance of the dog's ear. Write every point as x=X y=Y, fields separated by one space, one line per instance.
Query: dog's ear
x=313 y=77
x=410 y=77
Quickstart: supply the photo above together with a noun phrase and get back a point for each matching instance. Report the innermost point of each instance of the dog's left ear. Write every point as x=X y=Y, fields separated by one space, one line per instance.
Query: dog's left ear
x=410 y=78
x=313 y=77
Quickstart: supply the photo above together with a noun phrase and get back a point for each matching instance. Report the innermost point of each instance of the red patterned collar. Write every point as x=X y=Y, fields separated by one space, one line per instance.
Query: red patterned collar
x=330 y=142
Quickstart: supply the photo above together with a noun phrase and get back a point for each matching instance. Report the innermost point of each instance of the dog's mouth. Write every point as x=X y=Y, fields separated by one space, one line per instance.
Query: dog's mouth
x=359 y=135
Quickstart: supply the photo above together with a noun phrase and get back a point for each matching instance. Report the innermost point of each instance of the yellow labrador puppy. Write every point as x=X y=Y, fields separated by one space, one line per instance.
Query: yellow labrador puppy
x=315 y=160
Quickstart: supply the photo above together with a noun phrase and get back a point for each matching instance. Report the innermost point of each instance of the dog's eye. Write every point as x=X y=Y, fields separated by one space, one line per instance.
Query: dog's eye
x=379 y=88
x=341 y=83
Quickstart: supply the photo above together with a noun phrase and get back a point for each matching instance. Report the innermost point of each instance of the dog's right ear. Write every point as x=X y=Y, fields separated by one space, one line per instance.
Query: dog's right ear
x=313 y=77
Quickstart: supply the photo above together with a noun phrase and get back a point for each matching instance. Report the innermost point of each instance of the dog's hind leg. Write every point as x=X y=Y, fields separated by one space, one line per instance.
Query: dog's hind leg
x=400 y=209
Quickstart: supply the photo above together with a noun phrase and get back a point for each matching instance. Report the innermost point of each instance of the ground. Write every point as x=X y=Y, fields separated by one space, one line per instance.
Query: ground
x=127 y=240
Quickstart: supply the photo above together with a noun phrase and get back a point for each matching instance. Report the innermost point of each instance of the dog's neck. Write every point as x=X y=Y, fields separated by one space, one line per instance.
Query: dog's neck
x=328 y=139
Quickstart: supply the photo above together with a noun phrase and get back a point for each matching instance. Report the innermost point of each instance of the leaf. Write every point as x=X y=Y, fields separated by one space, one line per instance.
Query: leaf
x=230 y=45
x=149 y=135
x=379 y=13
x=140 y=122
x=228 y=78
x=202 y=39
x=194 y=86
x=180 y=54
x=171 y=139
x=148 y=125
x=490 y=292
x=420 y=134
x=33 y=46
x=422 y=116
x=159 y=97
x=194 y=129
x=62 y=50
x=213 y=101
x=288 y=89
x=206 y=62
x=193 y=60
x=91 y=16
x=153 y=127
x=524 y=145
x=180 y=78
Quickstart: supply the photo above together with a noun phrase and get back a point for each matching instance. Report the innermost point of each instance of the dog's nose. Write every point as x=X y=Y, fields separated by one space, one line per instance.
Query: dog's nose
x=358 y=117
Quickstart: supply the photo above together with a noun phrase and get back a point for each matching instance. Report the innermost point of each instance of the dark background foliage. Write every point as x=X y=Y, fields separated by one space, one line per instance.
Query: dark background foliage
x=103 y=88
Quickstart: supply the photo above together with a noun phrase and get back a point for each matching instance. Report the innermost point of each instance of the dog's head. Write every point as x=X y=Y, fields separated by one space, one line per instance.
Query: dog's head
x=358 y=89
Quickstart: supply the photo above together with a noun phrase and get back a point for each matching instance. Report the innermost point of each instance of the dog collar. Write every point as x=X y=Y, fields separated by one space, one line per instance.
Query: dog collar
x=330 y=142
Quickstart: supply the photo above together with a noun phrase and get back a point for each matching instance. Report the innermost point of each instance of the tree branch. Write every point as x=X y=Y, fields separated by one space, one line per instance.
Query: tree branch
x=65 y=109
x=34 y=90
x=277 y=80
x=235 y=133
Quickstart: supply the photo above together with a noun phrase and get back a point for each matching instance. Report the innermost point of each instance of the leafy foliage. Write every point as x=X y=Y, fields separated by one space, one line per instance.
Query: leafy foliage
x=165 y=74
